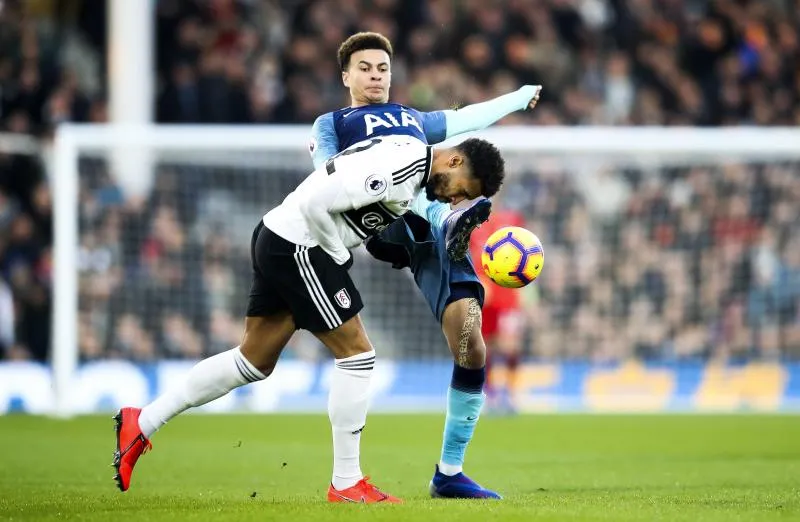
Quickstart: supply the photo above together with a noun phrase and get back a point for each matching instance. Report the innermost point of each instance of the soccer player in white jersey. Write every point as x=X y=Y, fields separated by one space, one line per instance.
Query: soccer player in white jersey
x=300 y=258
x=432 y=239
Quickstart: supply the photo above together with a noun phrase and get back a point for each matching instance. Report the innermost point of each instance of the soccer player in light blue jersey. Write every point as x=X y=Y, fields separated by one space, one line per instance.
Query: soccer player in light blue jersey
x=432 y=239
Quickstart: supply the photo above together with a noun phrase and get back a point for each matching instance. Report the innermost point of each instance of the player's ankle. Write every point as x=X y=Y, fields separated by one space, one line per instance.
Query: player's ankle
x=342 y=483
x=450 y=469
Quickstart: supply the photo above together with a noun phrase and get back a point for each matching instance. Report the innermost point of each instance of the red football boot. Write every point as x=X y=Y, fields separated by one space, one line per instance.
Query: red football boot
x=362 y=492
x=131 y=443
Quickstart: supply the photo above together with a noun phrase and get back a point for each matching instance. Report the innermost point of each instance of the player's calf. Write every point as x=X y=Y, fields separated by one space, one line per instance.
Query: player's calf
x=461 y=325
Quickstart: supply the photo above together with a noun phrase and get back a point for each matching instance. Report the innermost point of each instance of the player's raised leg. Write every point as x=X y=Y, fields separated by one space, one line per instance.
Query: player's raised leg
x=268 y=327
x=461 y=323
x=453 y=226
x=254 y=360
x=420 y=243
x=348 y=402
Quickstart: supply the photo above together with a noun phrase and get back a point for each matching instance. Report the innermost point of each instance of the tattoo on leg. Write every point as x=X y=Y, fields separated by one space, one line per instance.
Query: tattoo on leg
x=473 y=316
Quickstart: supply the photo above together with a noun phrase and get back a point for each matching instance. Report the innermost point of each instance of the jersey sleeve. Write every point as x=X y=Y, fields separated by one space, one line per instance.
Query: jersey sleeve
x=434 y=212
x=363 y=188
x=421 y=204
x=369 y=173
x=480 y=115
x=435 y=126
x=324 y=142
x=345 y=190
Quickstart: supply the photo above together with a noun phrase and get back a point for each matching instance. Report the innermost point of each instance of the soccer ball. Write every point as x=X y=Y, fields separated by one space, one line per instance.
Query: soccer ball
x=512 y=257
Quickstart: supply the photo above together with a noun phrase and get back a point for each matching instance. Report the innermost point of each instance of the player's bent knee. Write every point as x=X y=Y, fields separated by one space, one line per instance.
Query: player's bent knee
x=476 y=350
x=346 y=340
x=264 y=339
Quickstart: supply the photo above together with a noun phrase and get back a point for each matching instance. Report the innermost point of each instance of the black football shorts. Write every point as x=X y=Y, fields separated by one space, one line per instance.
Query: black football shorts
x=307 y=282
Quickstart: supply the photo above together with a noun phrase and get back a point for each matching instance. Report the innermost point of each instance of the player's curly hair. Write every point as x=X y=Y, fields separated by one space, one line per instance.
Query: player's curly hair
x=486 y=162
x=360 y=42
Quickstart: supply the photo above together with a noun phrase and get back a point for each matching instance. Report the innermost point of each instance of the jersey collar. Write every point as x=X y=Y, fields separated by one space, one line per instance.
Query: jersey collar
x=428 y=165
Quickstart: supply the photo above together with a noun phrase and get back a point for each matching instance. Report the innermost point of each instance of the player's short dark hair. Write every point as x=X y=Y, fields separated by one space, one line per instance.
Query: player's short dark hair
x=360 y=42
x=486 y=163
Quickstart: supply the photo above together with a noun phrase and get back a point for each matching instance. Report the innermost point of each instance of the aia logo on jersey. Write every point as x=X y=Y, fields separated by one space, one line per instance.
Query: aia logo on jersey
x=389 y=121
x=375 y=185
x=343 y=298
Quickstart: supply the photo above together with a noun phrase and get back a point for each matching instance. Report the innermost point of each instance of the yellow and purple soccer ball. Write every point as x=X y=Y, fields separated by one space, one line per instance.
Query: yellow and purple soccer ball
x=512 y=257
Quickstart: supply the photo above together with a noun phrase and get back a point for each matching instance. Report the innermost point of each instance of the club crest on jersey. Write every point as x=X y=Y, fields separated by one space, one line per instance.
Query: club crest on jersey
x=343 y=298
x=312 y=145
x=375 y=185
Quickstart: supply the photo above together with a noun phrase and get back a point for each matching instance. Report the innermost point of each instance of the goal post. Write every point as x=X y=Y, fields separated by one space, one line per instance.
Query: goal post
x=246 y=149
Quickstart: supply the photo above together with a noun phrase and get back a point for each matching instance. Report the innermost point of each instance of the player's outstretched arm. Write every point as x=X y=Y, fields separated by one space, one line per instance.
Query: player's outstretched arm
x=481 y=115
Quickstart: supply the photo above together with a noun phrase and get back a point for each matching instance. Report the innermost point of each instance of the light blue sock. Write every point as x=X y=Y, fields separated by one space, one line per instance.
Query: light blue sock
x=435 y=212
x=464 y=402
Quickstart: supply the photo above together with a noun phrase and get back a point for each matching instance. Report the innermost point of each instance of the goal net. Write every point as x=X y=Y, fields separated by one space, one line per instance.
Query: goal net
x=661 y=247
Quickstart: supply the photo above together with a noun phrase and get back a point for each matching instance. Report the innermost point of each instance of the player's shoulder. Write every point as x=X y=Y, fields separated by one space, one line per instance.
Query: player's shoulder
x=333 y=118
x=323 y=122
x=327 y=115
x=323 y=132
x=408 y=108
x=339 y=112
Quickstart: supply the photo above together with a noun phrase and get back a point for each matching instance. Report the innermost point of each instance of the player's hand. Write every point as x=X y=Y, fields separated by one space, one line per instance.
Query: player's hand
x=535 y=99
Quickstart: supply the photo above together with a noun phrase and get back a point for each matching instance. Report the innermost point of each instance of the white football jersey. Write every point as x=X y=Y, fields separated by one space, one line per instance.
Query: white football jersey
x=379 y=178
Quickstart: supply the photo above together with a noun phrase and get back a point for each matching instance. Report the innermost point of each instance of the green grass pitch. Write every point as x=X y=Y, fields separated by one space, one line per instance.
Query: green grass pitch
x=276 y=467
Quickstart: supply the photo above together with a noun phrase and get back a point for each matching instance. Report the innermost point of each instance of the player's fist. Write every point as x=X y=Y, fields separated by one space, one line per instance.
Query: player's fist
x=535 y=99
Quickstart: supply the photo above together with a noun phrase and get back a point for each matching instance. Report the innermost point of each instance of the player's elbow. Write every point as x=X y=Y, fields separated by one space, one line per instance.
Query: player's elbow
x=313 y=212
x=307 y=208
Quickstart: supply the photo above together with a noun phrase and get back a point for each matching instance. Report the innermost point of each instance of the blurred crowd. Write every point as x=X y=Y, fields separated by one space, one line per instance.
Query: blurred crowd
x=690 y=263
x=697 y=262
x=158 y=274
x=52 y=64
x=656 y=62
x=26 y=238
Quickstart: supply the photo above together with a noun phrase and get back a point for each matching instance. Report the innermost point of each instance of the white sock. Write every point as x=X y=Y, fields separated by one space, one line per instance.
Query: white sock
x=450 y=469
x=208 y=380
x=347 y=408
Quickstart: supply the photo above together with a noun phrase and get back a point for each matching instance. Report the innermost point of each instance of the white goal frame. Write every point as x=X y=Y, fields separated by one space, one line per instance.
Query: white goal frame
x=71 y=140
